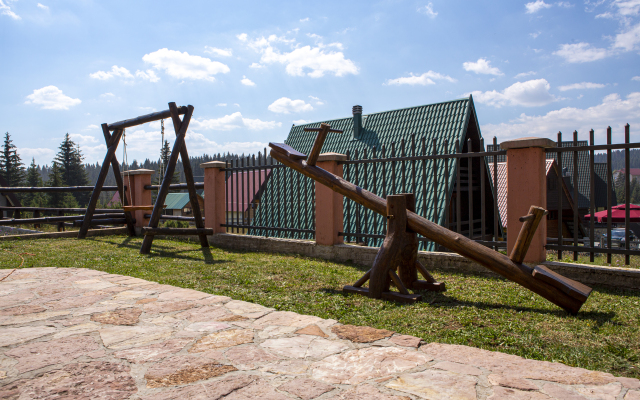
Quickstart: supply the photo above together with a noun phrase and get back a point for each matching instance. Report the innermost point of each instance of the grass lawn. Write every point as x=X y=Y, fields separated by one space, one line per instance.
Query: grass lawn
x=489 y=313
x=617 y=260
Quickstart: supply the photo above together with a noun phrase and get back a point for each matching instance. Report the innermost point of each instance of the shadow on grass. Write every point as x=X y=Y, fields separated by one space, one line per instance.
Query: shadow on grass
x=440 y=300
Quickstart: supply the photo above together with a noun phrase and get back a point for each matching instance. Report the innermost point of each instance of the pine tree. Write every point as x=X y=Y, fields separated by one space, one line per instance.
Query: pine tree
x=58 y=199
x=165 y=154
x=69 y=160
x=11 y=166
x=34 y=180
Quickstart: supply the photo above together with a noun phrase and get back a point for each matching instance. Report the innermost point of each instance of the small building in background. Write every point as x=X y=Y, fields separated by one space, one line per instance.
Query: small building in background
x=179 y=204
x=633 y=172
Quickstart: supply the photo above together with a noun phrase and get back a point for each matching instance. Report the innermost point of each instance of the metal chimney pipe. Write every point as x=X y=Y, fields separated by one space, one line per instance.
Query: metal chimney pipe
x=357 y=122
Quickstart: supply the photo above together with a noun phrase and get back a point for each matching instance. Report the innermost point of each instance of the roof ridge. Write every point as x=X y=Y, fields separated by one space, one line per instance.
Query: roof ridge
x=387 y=111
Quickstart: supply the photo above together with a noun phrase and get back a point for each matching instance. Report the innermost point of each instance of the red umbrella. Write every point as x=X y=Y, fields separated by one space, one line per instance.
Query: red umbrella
x=618 y=214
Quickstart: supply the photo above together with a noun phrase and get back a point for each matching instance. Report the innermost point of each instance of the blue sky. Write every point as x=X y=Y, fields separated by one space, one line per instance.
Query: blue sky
x=253 y=68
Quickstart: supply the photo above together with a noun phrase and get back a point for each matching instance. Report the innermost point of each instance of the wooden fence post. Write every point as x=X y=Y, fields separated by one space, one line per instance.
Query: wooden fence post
x=135 y=181
x=526 y=187
x=214 y=195
x=329 y=204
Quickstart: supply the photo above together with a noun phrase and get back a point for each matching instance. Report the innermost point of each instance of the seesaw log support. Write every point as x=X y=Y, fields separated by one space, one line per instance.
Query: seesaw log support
x=564 y=292
x=399 y=251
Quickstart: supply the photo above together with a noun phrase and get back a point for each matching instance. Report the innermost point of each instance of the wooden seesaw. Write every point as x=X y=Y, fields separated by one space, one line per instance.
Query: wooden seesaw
x=399 y=250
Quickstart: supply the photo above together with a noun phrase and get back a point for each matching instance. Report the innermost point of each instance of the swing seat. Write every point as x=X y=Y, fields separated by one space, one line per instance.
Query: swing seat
x=139 y=208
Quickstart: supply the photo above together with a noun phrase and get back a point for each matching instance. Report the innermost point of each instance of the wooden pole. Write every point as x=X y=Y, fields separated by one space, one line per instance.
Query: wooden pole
x=527 y=231
x=112 y=146
x=188 y=176
x=493 y=260
x=166 y=181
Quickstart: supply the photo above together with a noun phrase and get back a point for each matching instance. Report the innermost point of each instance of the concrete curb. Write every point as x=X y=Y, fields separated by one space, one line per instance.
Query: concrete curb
x=614 y=277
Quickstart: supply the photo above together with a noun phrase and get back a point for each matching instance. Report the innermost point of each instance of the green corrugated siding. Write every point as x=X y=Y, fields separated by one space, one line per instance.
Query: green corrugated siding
x=442 y=122
x=176 y=201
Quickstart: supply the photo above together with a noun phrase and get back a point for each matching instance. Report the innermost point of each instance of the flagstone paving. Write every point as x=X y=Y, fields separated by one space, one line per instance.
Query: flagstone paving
x=84 y=334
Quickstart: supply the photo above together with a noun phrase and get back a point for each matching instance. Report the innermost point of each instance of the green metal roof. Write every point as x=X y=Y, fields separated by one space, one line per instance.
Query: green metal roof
x=176 y=201
x=447 y=121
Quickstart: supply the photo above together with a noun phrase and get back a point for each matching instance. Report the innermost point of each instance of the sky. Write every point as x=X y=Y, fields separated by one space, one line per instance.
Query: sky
x=252 y=69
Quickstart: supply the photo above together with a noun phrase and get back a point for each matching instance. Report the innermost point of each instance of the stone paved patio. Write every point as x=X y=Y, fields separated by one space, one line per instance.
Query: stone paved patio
x=84 y=334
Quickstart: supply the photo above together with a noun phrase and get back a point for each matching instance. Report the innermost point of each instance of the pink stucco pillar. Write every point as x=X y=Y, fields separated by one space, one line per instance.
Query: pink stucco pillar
x=136 y=194
x=329 y=213
x=214 y=195
x=526 y=187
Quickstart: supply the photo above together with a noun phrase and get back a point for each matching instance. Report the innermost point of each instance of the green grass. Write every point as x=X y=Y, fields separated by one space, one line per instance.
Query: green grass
x=483 y=312
x=617 y=260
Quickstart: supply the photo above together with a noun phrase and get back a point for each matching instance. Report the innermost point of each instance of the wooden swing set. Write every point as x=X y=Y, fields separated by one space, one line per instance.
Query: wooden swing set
x=179 y=149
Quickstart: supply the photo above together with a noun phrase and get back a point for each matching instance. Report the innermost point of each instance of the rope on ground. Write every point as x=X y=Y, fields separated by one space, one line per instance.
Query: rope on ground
x=21 y=263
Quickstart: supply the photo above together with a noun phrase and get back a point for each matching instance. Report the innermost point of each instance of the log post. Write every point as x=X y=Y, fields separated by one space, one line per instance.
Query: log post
x=214 y=195
x=137 y=195
x=329 y=204
x=526 y=185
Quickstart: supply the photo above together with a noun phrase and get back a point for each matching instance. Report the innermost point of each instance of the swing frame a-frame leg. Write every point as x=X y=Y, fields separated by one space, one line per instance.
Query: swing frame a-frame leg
x=179 y=149
x=110 y=159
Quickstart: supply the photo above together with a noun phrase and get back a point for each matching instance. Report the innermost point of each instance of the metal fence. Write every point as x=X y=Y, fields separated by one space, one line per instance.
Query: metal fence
x=586 y=181
x=451 y=183
x=264 y=198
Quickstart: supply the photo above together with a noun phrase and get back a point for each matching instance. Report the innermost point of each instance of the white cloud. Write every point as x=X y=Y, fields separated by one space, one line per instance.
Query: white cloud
x=581 y=52
x=90 y=127
x=636 y=78
x=482 y=66
x=535 y=34
x=116 y=71
x=242 y=37
x=107 y=95
x=311 y=61
x=314 y=60
x=148 y=75
x=231 y=122
x=221 y=105
x=613 y=111
x=564 y=4
x=304 y=19
x=524 y=74
x=300 y=122
x=236 y=104
x=40 y=154
x=42 y=6
x=628 y=40
x=184 y=66
x=424 y=79
x=627 y=7
x=246 y=81
x=82 y=139
x=428 y=10
x=51 y=98
x=314 y=36
x=606 y=15
x=531 y=93
x=582 y=85
x=285 y=105
x=6 y=10
x=536 y=6
x=218 y=52
x=317 y=100
x=256 y=65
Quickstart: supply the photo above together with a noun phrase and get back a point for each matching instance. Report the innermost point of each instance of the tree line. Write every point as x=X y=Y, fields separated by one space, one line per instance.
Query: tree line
x=68 y=169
